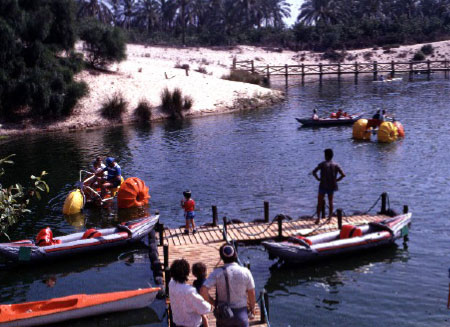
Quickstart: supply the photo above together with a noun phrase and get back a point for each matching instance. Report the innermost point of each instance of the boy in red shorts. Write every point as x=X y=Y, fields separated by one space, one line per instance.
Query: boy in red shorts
x=188 y=204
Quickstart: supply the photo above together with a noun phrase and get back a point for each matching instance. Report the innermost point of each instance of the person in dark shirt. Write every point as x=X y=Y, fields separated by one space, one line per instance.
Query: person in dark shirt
x=328 y=179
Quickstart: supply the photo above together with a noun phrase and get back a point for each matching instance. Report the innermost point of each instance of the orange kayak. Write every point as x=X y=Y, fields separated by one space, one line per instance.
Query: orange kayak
x=73 y=307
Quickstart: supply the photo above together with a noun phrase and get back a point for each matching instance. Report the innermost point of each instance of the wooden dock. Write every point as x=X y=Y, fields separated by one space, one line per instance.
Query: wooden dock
x=204 y=245
x=410 y=67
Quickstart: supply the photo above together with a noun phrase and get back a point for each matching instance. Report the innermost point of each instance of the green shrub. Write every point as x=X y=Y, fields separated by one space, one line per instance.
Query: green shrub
x=427 y=49
x=173 y=103
x=333 y=55
x=243 y=76
x=201 y=70
x=143 y=111
x=182 y=66
x=419 y=56
x=113 y=108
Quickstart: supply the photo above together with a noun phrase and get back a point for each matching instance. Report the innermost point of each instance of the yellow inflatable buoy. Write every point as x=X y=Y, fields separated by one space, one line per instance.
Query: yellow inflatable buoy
x=74 y=203
x=387 y=132
x=360 y=131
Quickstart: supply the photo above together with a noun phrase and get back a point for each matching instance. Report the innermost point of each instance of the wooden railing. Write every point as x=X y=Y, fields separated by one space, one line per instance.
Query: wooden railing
x=411 y=67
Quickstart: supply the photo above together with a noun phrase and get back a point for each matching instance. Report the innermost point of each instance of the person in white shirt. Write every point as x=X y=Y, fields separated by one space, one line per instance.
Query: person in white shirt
x=187 y=305
x=241 y=287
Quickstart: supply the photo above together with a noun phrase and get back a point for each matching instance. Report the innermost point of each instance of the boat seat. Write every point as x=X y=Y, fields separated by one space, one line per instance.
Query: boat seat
x=349 y=231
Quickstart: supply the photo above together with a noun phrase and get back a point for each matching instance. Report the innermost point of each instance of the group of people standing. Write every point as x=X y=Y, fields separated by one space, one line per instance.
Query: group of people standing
x=235 y=293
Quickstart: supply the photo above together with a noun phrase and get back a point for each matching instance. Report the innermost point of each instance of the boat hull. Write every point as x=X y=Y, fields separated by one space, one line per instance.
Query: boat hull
x=324 y=122
x=329 y=245
x=86 y=305
x=25 y=252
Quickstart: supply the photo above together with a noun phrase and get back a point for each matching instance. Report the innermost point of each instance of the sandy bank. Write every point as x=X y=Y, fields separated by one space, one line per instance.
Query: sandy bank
x=143 y=76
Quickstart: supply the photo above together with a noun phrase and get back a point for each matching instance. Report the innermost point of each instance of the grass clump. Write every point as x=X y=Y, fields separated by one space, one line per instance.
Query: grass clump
x=243 y=76
x=419 y=56
x=182 y=66
x=113 y=108
x=201 y=70
x=143 y=111
x=174 y=103
x=427 y=49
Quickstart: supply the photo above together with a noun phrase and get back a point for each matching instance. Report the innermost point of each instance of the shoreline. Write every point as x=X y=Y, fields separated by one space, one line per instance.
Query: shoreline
x=149 y=69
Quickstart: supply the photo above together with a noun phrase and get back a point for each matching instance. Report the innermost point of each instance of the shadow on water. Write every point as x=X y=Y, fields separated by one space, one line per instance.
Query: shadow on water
x=329 y=272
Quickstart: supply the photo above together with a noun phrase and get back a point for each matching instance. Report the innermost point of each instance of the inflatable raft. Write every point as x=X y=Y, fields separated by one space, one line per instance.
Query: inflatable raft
x=324 y=122
x=48 y=248
x=72 y=307
x=348 y=239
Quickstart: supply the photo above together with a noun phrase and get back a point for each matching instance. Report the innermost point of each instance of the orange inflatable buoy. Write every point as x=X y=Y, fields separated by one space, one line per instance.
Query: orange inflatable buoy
x=132 y=193
x=400 y=129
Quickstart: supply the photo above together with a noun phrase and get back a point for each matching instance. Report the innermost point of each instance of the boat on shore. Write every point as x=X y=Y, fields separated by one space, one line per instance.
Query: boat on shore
x=28 y=251
x=56 y=310
x=325 y=122
x=349 y=239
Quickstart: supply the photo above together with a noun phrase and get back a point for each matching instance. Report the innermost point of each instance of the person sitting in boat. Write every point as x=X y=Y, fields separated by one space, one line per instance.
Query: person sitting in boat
x=97 y=167
x=315 y=116
x=114 y=176
x=339 y=114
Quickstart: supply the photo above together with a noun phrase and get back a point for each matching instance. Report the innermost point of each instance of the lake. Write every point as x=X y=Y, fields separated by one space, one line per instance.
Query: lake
x=237 y=161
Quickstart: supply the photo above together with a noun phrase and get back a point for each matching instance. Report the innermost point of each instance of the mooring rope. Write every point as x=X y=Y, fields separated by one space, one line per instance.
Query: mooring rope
x=373 y=206
x=265 y=229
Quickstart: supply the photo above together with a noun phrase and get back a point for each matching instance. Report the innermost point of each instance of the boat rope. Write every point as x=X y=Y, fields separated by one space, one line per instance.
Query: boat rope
x=282 y=216
x=373 y=206
x=263 y=307
x=319 y=226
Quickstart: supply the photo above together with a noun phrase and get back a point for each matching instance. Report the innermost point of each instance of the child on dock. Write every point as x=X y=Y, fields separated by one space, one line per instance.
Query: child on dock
x=199 y=270
x=188 y=204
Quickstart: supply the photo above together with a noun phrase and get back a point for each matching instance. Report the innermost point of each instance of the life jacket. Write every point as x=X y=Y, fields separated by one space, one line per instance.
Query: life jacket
x=349 y=231
x=45 y=238
x=333 y=115
x=91 y=233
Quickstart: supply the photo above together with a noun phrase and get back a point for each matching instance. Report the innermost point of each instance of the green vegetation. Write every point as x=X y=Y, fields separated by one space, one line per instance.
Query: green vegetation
x=104 y=44
x=418 y=56
x=427 y=49
x=143 y=112
x=321 y=24
x=174 y=104
x=15 y=198
x=244 y=76
x=114 y=107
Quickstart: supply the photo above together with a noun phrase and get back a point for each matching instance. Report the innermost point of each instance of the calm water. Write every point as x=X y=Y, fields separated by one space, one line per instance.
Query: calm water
x=236 y=162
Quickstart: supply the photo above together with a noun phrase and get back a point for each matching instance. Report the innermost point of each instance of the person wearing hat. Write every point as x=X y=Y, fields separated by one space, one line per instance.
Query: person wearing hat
x=235 y=286
x=114 y=177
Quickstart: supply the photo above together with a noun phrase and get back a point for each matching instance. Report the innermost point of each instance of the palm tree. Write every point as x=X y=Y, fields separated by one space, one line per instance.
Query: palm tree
x=127 y=11
x=95 y=8
x=148 y=14
x=314 y=11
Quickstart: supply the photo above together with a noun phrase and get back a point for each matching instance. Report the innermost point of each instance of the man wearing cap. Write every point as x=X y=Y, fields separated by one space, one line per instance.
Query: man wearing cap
x=114 y=177
x=241 y=288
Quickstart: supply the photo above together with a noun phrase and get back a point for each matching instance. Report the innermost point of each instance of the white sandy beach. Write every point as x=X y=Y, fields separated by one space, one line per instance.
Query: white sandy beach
x=143 y=76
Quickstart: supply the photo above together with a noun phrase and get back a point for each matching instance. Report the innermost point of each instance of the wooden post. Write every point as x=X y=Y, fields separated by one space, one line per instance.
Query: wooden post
x=187 y=71
x=320 y=72
x=303 y=74
x=429 y=69
x=446 y=68
x=214 y=216
x=375 y=70
x=339 y=218
x=339 y=71
x=234 y=63
x=411 y=71
x=392 y=68
x=166 y=256
x=286 y=73
x=405 y=209
x=161 y=234
x=266 y=211
x=280 y=227
x=225 y=232
x=356 y=72
x=253 y=67
x=383 y=203
x=167 y=280
x=268 y=72
x=264 y=303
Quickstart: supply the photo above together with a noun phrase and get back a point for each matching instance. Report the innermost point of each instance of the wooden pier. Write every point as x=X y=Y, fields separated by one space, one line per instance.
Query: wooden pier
x=411 y=67
x=204 y=245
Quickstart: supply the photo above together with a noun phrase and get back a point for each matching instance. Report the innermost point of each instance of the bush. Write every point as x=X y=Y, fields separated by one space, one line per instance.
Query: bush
x=173 y=103
x=201 y=70
x=104 y=44
x=419 y=56
x=113 y=108
x=243 y=76
x=427 y=49
x=182 y=66
x=333 y=55
x=143 y=111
